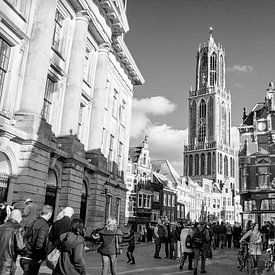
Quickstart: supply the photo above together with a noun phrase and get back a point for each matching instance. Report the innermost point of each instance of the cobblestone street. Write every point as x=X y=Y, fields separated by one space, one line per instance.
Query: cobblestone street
x=223 y=263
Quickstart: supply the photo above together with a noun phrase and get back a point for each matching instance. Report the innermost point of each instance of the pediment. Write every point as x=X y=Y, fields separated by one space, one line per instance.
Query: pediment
x=263 y=161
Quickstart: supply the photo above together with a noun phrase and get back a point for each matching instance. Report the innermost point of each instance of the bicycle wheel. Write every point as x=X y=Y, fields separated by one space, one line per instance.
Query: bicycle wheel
x=240 y=261
x=250 y=265
x=267 y=264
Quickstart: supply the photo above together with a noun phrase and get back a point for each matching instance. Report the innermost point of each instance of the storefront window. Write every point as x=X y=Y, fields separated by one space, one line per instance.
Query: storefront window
x=264 y=205
x=250 y=205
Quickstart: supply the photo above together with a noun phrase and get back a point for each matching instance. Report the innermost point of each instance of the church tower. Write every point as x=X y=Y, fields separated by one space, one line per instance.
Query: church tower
x=209 y=153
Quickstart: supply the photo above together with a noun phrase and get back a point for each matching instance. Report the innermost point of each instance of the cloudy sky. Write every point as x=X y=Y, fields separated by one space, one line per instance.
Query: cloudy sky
x=164 y=36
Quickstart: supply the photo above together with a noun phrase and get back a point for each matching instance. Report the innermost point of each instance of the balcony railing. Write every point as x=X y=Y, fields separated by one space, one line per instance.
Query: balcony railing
x=200 y=146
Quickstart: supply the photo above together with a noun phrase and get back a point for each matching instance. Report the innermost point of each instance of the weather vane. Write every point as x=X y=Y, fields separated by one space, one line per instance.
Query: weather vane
x=210 y=30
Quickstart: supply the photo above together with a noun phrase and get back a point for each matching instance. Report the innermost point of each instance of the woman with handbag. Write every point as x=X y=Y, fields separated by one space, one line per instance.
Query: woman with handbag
x=71 y=246
x=109 y=248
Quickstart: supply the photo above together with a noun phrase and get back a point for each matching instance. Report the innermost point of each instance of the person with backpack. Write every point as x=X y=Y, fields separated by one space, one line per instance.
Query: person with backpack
x=158 y=236
x=186 y=237
x=200 y=241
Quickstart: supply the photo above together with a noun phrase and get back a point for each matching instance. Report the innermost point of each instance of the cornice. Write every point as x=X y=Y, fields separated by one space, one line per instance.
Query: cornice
x=126 y=58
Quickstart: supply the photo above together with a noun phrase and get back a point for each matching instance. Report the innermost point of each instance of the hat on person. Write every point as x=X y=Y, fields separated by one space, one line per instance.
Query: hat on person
x=28 y=200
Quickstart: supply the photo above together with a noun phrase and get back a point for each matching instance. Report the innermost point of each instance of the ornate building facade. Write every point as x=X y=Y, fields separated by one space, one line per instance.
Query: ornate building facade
x=66 y=88
x=209 y=153
x=257 y=161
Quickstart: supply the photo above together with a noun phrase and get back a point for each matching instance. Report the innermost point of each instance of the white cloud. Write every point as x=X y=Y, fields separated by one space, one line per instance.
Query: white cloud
x=240 y=68
x=143 y=108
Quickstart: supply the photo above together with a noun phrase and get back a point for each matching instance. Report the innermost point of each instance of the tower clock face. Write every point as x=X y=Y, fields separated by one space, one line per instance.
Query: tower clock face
x=261 y=126
x=202 y=121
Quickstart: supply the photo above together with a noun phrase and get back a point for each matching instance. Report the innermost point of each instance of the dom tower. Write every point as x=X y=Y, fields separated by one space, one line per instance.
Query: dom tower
x=209 y=154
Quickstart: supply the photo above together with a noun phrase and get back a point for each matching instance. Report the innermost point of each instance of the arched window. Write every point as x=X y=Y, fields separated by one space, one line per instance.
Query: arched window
x=222 y=71
x=193 y=119
x=210 y=112
x=214 y=163
x=83 y=204
x=51 y=190
x=185 y=166
x=213 y=69
x=202 y=164
x=223 y=124
x=144 y=159
x=190 y=165
x=202 y=121
x=197 y=165
x=225 y=166
x=203 y=70
x=231 y=167
x=5 y=172
x=221 y=162
x=209 y=164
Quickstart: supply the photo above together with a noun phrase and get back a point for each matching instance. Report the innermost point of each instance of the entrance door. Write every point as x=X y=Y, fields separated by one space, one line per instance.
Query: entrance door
x=5 y=172
x=83 y=204
x=51 y=190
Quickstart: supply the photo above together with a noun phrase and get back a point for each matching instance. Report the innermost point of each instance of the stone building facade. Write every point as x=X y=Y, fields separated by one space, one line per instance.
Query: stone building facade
x=66 y=88
x=257 y=161
x=209 y=153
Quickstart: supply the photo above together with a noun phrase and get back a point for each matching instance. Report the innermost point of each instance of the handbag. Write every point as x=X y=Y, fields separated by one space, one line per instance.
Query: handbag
x=52 y=259
x=119 y=249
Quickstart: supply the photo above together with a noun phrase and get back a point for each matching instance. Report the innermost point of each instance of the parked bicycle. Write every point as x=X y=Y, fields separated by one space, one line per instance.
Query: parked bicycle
x=269 y=261
x=245 y=260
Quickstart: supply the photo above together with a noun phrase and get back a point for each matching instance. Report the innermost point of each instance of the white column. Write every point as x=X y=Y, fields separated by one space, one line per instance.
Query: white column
x=38 y=57
x=70 y=116
x=100 y=93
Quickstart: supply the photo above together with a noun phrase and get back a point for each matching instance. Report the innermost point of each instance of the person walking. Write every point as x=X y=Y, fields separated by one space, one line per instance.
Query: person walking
x=71 y=245
x=236 y=233
x=255 y=240
x=167 y=236
x=228 y=234
x=173 y=240
x=11 y=241
x=29 y=213
x=36 y=241
x=186 y=237
x=130 y=238
x=222 y=234
x=61 y=226
x=200 y=241
x=265 y=232
x=158 y=237
x=110 y=237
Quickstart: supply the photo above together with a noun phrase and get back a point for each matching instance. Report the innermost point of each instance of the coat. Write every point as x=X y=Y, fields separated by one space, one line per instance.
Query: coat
x=184 y=232
x=58 y=228
x=71 y=260
x=108 y=241
x=11 y=245
x=254 y=242
x=29 y=214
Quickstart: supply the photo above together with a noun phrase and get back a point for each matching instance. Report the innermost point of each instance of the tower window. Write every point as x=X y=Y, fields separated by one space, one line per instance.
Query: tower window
x=190 y=165
x=209 y=163
x=210 y=112
x=202 y=121
x=203 y=70
x=202 y=164
x=193 y=118
x=197 y=164
x=225 y=166
x=213 y=69
x=221 y=72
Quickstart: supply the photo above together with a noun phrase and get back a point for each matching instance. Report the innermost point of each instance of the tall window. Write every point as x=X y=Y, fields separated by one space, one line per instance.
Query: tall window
x=223 y=124
x=5 y=49
x=213 y=69
x=120 y=157
x=118 y=207
x=202 y=164
x=86 y=66
x=59 y=19
x=165 y=199
x=221 y=164
x=190 y=165
x=111 y=153
x=114 y=107
x=210 y=112
x=193 y=118
x=203 y=70
x=48 y=98
x=197 y=165
x=122 y=112
x=221 y=71
x=225 y=166
x=209 y=164
x=202 y=121
x=263 y=177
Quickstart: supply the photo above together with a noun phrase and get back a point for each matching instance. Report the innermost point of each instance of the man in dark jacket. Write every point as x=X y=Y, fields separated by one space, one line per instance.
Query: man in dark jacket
x=11 y=241
x=201 y=238
x=130 y=238
x=167 y=236
x=36 y=239
x=29 y=213
x=158 y=236
x=61 y=226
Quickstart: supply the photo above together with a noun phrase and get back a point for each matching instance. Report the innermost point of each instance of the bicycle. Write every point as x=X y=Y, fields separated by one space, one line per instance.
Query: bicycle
x=269 y=261
x=245 y=260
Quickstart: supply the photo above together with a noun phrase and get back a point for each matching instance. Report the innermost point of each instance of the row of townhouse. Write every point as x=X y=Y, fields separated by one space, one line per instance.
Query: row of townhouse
x=154 y=190
x=66 y=88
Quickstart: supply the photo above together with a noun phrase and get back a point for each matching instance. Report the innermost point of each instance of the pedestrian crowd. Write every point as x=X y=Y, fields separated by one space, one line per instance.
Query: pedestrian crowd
x=194 y=242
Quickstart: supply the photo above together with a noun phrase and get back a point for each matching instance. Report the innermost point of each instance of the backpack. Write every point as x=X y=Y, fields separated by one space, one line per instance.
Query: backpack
x=160 y=231
x=189 y=241
x=199 y=238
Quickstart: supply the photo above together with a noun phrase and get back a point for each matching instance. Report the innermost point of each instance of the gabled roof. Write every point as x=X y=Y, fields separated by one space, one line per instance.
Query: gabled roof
x=164 y=167
x=134 y=153
x=260 y=110
x=162 y=179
